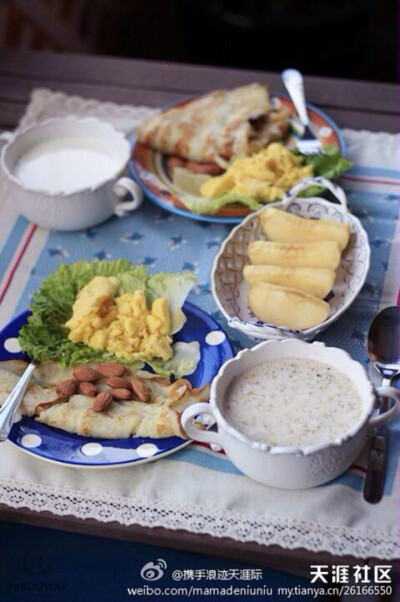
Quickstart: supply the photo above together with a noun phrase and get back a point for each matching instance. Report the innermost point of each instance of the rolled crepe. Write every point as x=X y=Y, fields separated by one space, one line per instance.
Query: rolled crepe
x=282 y=226
x=158 y=418
x=119 y=421
x=284 y=306
x=325 y=255
x=316 y=282
x=17 y=367
x=50 y=373
x=33 y=397
x=223 y=123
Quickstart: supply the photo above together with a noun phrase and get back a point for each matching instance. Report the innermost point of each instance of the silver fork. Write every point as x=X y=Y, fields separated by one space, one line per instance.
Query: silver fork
x=308 y=144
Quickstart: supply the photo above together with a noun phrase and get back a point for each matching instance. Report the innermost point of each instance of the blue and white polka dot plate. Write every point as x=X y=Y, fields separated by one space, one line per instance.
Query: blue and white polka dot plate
x=64 y=448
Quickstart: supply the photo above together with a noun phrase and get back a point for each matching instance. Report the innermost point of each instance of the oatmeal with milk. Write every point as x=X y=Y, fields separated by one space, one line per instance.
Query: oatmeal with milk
x=292 y=402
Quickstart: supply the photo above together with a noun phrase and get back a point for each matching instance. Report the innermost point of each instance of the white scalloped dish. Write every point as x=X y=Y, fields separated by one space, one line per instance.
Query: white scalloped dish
x=230 y=290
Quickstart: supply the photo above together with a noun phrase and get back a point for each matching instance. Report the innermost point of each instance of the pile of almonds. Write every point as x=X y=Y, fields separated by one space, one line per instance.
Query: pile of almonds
x=85 y=381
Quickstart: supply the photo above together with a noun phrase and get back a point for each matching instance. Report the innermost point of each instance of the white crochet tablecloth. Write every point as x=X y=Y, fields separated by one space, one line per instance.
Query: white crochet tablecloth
x=198 y=489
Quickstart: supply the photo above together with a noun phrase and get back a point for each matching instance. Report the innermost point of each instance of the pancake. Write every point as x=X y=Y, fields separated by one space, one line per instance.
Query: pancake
x=222 y=125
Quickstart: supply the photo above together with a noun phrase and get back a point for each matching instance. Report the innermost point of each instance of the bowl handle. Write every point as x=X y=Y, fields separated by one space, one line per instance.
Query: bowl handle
x=392 y=412
x=319 y=181
x=6 y=137
x=195 y=433
x=120 y=188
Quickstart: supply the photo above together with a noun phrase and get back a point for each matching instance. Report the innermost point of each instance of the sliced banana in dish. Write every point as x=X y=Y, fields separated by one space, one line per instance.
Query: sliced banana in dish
x=313 y=281
x=283 y=306
x=324 y=254
x=283 y=226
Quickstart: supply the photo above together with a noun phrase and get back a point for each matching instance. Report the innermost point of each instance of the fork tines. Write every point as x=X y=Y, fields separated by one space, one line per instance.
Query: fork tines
x=309 y=144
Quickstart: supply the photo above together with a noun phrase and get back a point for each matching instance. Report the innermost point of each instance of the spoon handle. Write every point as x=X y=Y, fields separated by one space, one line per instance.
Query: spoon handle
x=294 y=84
x=375 y=477
x=10 y=406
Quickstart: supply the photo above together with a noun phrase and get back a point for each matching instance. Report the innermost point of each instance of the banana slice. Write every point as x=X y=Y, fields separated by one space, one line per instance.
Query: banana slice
x=282 y=226
x=313 y=281
x=283 y=306
x=325 y=255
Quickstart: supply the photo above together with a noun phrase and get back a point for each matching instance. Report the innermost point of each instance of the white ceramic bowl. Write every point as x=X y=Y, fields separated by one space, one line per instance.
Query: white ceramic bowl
x=230 y=290
x=289 y=467
x=83 y=207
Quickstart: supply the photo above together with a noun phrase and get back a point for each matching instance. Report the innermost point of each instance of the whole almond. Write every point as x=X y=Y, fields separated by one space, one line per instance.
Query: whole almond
x=85 y=373
x=140 y=389
x=118 y=382
x=111 y=369
x=88 y=389
x=67 y=387
x=122 y=394
x=102 y=401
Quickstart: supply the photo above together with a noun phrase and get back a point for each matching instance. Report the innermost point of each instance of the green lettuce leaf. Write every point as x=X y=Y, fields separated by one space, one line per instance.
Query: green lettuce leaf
x=183 y=362
x=44 y=337
x=201 y=205
x=134 y=279
x=329 y=165
x=175 y=287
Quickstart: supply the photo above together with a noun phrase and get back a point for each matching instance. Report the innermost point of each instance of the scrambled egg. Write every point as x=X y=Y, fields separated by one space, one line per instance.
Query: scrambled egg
x=265 y=176
x=123 y=325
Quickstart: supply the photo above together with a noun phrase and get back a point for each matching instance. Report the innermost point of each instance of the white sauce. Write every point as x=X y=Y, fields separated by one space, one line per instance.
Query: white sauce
x=292 y=402
x=65 y=165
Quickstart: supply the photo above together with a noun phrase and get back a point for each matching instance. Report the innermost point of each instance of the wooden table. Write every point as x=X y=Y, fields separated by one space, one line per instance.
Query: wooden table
x=353 y=104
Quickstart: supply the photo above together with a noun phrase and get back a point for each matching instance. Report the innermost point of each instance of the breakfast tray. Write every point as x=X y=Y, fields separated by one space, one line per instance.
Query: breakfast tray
x=198 y=489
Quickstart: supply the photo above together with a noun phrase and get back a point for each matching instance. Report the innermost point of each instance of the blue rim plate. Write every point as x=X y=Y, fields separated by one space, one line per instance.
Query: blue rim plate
x=149 y=168
x=60 y=447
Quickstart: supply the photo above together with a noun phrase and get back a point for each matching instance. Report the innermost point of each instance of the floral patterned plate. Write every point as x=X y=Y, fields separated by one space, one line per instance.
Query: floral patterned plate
x=150 y=170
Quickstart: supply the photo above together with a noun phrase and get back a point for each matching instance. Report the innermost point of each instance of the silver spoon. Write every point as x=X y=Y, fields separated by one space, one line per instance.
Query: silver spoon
x=384 y=352
x=11 y=404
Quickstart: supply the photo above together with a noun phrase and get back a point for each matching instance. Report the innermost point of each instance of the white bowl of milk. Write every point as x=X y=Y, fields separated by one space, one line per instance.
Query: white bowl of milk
x=291 y=414
x=65 y=173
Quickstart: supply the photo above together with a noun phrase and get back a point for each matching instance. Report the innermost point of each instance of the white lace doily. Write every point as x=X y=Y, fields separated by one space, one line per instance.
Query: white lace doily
x=46 y=103
x=288 y=533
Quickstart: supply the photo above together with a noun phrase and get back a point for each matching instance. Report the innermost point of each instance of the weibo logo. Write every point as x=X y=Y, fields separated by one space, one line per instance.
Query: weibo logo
x=152 y=571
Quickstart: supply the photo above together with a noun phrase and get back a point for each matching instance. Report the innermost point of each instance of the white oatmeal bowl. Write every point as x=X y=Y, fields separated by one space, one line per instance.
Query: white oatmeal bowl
x=294 y=466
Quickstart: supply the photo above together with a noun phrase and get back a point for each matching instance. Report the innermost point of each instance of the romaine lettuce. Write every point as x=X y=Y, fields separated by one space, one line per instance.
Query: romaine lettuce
x=200 y=205
x=184 y=361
